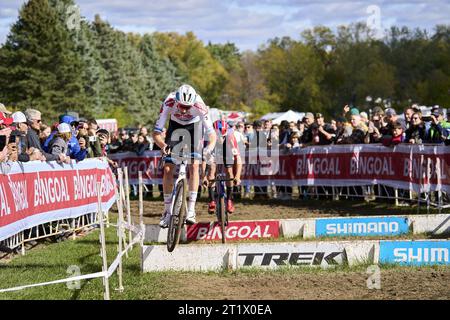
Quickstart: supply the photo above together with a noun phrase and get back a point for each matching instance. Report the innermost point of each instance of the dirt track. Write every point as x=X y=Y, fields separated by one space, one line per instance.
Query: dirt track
x=397 y=283
x=248 y=209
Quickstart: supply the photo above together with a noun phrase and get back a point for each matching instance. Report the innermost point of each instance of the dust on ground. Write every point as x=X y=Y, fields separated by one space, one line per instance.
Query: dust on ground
x=249 y=209
x=396 y=284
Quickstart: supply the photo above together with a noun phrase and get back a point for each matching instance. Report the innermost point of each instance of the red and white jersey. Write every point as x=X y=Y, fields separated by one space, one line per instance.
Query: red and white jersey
x=231 y=146
x=198 y=112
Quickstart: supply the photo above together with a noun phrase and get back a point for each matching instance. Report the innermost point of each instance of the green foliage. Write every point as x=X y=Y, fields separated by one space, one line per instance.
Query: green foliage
x=98 y=70
x=39 y=64
x=195 y=64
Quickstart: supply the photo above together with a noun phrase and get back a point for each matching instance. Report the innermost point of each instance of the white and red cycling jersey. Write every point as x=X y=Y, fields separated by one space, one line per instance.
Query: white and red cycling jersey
x=227 y=148
x=199 y=112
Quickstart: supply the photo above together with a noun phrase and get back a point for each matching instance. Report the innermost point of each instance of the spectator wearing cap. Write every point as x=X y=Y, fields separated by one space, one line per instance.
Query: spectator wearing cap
x=19 y=137
x=307 y=137
x=326 y=133
x=59 y=144
x=436 y=132
x=74 y=150
x=417 y=132
x=392 y=118
x=34 y=121
x=7 y=151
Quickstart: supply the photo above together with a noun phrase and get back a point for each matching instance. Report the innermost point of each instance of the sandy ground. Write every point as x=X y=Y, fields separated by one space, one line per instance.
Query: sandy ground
x=396 y=284
x=249 y=209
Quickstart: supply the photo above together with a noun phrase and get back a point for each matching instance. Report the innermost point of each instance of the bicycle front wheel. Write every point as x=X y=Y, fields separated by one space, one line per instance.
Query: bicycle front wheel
x=178 y=215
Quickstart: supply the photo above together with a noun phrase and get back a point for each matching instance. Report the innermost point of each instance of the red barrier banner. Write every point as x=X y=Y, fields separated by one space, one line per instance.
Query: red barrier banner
x=37 y=192
x=421 y=168
x=236 y=230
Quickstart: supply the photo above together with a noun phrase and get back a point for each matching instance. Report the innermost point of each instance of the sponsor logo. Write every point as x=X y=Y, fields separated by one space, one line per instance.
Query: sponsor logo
x=50 y=190
x=314 y=258
x=415 y=252
x=4 y=208
x=234 y=231
x=388 y=226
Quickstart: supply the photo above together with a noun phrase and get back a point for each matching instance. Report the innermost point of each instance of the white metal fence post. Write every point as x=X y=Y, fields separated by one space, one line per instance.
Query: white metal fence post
x=127 y=190
x=102 y=241
x=141 y=209
x=120 y=229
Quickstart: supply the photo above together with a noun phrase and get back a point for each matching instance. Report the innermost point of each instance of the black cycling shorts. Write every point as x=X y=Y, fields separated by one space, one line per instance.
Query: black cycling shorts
x=190 y=134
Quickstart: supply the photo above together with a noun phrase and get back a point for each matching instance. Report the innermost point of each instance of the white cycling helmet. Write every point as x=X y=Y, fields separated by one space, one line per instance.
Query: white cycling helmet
x=19 y=117
x=186 y=95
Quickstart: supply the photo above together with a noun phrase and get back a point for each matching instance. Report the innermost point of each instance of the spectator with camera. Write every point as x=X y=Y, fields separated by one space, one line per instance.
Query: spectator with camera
x=436 y=131
x=326 y=133
x=104 y=140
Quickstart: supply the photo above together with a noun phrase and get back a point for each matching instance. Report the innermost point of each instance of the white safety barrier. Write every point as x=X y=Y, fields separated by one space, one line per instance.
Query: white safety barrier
x=323 y=254
x=121 y=226
x=433 y=224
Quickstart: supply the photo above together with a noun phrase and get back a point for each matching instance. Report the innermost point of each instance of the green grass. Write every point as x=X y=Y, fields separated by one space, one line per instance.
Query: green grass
x=50 y=262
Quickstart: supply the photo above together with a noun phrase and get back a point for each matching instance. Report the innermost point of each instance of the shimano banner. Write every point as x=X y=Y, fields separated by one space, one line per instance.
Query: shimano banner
x=417 y=253
x=373 y=226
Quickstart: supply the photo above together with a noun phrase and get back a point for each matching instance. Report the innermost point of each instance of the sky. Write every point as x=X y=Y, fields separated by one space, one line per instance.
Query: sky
x=248 y=23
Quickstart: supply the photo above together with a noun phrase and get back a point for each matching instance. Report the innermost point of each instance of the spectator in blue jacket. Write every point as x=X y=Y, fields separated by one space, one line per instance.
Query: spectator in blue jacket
x=74 y=149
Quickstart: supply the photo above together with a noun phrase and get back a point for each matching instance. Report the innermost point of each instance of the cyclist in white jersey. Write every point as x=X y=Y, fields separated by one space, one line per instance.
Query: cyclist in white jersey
x=188 y=116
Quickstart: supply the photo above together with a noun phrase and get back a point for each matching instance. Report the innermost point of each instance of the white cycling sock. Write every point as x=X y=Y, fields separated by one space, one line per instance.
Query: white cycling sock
x=167 y=202
x=192 y=200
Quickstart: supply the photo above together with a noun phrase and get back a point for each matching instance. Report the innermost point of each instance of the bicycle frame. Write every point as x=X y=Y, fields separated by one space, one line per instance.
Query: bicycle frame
x=182 y=175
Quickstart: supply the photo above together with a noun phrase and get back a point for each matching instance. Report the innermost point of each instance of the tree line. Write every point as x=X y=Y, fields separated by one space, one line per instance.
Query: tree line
x=55 y=63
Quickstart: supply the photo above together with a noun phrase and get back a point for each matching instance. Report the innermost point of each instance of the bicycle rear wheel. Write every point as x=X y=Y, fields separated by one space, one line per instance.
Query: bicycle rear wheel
x=177 y=217
x=223 y=218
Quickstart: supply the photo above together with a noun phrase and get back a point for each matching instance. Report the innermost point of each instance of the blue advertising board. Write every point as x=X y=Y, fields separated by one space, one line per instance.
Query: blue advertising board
x=376 y=226
x=415 y=253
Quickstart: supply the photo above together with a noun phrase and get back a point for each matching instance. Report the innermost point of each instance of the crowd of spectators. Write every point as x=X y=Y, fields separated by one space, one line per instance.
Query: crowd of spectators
x=25 y=137
x=383 y=126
